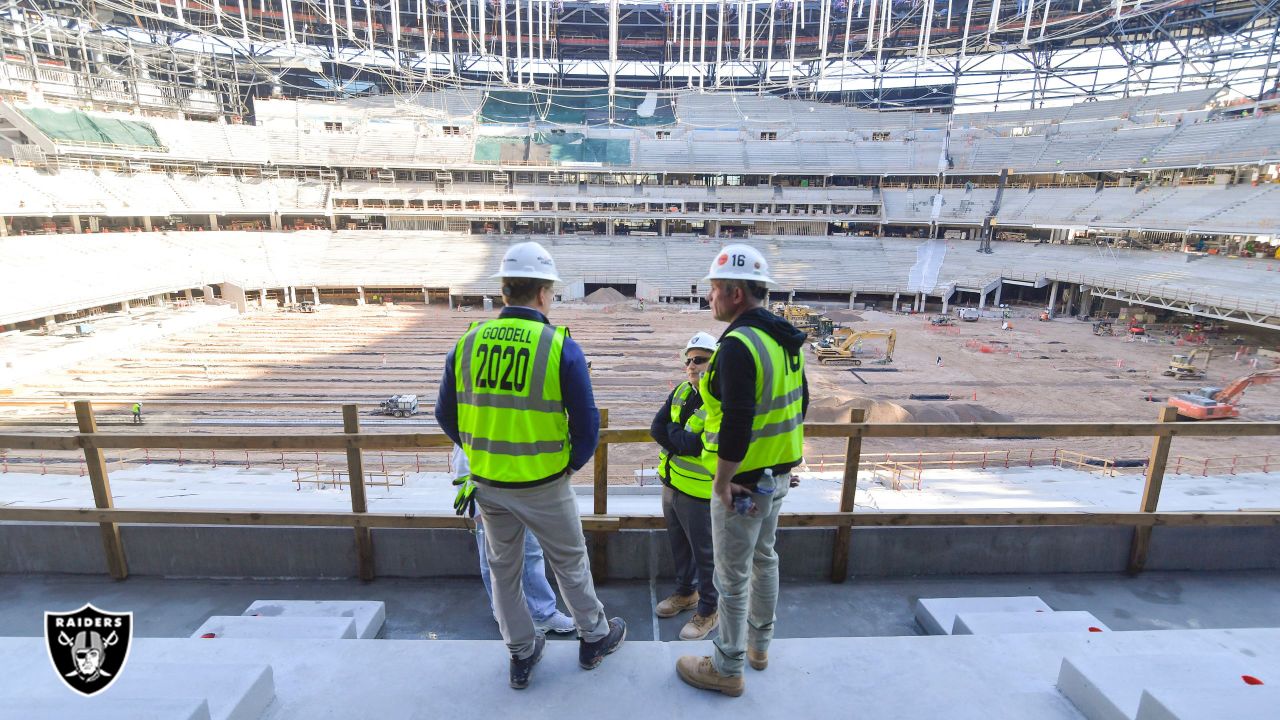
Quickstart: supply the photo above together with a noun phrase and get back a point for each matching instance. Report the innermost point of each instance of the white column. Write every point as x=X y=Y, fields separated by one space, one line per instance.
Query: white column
x=982 y=299
x=426 y=297
x=895 y=301
x=146 y=223
x=999 y=290
x=853 y=296
x=359 y=296
x=315 y=296
x=1053 y=299
x=213 y=221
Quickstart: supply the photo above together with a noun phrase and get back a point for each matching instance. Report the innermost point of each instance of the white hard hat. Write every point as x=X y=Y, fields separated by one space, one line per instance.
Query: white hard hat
x=527 y=260
x=740 y=262
x=701 y=341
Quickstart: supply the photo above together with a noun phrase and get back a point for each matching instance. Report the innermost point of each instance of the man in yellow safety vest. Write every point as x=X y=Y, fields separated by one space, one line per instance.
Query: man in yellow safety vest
x=517 y=399
x=755 y=396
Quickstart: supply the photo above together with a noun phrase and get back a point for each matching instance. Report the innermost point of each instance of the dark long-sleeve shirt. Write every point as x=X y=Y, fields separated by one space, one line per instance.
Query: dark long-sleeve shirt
x=735 y=383
x=575 y=388
x=672 y=436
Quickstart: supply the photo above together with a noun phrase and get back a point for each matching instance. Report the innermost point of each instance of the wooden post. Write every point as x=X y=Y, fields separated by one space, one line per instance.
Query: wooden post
x=355 y=473
x=112 y=546
x=1151 y=493
x=599 y=539
x=848 y=490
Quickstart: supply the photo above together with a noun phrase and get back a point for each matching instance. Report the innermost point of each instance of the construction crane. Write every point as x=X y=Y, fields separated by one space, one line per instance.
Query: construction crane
x=1219 y=403
x=850 y=347
x=1183 y=367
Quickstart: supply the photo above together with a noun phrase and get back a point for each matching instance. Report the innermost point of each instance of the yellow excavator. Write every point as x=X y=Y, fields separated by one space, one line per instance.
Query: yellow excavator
x=1183 y=367
x=803 y=317
x=846 y=346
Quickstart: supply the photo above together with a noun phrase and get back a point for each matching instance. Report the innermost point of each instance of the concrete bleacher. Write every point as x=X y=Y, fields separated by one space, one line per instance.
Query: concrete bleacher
x=1039 y=676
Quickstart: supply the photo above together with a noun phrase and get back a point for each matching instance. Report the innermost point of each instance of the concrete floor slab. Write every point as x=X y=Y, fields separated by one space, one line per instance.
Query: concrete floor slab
x=1026 y=622
x=1110 y=688
x=937 y=615
x=240 y=626
x=368 y=615
x=1195 y=704
x=456 y=609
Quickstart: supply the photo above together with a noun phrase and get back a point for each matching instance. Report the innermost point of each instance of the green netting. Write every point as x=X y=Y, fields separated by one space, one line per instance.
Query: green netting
x=77 y=127
x=517 y=108
x=551 y=149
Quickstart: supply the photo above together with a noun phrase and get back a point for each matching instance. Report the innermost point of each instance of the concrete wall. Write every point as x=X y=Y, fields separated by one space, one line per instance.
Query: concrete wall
x=219 y=551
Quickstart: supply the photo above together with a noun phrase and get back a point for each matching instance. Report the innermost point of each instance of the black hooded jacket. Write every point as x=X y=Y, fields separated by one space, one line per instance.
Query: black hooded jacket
x=735 y=385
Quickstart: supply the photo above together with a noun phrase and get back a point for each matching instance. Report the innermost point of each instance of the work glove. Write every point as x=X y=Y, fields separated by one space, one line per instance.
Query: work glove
x=464 y=503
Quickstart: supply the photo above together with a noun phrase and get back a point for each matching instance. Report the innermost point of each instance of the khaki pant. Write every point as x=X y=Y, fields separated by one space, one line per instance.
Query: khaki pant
x=746 y=576
x=550 y=512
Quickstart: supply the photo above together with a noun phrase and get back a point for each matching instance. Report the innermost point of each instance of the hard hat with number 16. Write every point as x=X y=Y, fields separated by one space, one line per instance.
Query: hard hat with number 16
x=701 y=341
x=527 y=260
x=740 y=262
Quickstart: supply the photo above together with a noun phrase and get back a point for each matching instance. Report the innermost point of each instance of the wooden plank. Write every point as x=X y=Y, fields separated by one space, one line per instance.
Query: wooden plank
x=600 y=490
x=1140 y=546
x=40 y=442
x=359 y=503
x=636 y=522
x=112 y=545
x=848 y=491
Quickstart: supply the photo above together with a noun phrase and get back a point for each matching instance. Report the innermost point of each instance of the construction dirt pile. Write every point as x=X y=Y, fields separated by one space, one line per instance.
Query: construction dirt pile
x=605 y=296
x=835 y=409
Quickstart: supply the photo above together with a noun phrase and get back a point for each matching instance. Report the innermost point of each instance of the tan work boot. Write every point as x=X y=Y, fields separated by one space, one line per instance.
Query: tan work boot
x=676 y=604
x=699 y=626
x=758 y=659
x=700 y=673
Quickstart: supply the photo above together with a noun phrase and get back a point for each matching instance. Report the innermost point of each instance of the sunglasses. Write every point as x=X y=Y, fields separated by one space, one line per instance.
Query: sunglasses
x=697 y=361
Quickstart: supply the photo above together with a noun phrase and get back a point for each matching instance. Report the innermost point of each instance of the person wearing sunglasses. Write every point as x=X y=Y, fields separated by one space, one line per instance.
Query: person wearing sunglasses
x=686 y=495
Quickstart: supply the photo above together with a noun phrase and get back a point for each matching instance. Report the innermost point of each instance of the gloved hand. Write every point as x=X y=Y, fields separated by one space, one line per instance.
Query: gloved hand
x=464 y=503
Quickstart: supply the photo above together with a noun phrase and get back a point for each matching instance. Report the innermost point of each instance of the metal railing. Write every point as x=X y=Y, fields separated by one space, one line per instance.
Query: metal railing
x=600 y=522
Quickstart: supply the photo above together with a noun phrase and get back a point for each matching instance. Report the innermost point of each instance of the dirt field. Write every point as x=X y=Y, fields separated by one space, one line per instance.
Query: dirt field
x=275 y=369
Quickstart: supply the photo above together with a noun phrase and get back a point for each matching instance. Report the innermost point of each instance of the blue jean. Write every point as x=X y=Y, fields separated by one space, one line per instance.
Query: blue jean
x=538 y=594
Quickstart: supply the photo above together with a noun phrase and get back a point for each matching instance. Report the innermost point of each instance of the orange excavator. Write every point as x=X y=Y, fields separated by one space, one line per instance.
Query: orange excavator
x=1219 y=403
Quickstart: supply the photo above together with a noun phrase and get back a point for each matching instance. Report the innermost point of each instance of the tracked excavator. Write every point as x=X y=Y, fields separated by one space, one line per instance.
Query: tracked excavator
x=1219 y=403
x=1183 y=367
x=846 y=346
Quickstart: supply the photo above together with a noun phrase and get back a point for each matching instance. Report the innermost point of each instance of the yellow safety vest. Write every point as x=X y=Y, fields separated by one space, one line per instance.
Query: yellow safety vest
x=686 y=473
x=777 y=430
x=511 y=417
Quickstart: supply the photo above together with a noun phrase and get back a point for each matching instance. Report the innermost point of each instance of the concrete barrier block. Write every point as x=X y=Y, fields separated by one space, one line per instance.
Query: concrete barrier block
x=1262 y=701
x=277 y=628
x=1111 y=687
x=998 y=623
x=369 y=615
x=938 y=615
x=110 y=707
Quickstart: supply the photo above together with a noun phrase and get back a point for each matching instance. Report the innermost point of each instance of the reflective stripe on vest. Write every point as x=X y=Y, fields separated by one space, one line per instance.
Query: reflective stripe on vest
x=686 y=473
x=511 y=418
x=777 y=430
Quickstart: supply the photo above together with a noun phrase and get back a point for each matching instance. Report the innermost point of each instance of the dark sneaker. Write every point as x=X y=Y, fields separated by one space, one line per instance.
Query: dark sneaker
x=590 y=654
x=522 y=670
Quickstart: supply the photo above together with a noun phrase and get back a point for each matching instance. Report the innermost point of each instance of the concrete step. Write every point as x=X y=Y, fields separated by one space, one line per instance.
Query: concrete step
x=234 y=687
x=958 y=677
x=368 y=615
x=937 y=615
x=967 y=623
x=1195 y=704
x=1111 y=688
x=109 y=707
x=293 y=628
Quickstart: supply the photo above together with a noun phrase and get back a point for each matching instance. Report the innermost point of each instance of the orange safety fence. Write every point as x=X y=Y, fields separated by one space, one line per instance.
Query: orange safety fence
x=1224 y=465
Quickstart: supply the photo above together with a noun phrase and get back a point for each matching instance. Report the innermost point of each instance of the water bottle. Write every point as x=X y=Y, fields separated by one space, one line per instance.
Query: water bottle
x=767 y=484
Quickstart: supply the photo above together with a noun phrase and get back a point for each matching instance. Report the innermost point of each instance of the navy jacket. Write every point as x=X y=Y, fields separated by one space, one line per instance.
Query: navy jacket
x=575 y=385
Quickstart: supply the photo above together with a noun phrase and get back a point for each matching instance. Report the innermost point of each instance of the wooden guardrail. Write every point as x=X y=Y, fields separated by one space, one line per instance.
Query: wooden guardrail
x=600 y=523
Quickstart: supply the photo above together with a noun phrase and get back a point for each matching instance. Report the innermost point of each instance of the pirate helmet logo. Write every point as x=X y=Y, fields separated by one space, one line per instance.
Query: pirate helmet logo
x=88 y=647
x=724 y=258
